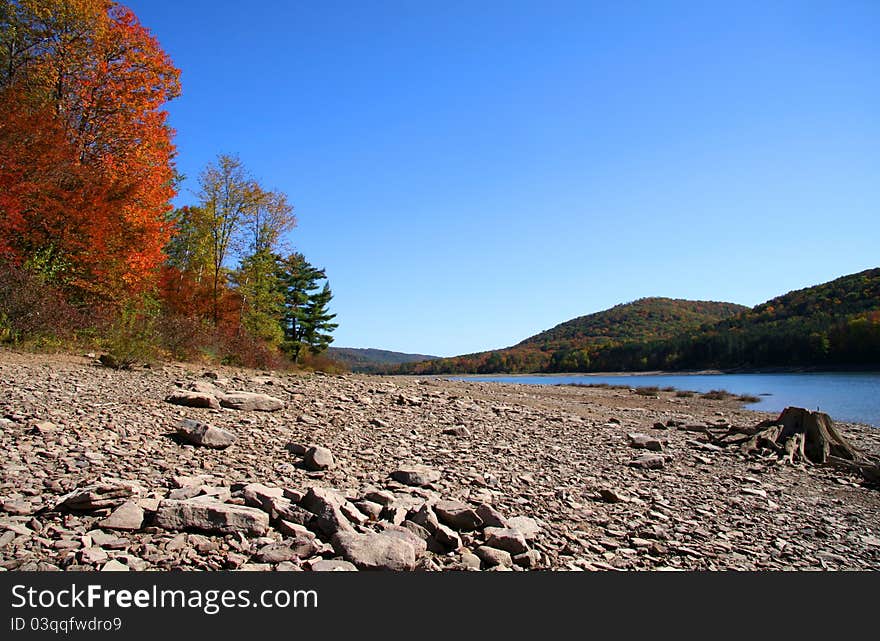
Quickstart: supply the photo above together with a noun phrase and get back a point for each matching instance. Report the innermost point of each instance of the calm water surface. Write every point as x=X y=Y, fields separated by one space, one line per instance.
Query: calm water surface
x=853 y=396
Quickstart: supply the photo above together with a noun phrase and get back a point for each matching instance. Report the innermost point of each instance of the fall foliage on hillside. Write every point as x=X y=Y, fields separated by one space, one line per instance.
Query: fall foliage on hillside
x=90 y=244
x=833 y=324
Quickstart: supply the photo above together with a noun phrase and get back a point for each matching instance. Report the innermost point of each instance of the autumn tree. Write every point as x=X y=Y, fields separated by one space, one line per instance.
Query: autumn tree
x=227 y=194
x=86 y=81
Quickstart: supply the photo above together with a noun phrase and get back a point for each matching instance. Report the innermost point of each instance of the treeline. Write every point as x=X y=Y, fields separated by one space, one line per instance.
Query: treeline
x=91 y=249
x=831 y=325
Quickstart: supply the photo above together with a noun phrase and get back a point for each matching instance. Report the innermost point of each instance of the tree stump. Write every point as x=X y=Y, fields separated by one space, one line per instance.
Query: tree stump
x=800 y=435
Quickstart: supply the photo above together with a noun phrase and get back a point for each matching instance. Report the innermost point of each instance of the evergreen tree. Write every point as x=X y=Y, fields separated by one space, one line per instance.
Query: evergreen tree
x=305 y=321
x=318 y=325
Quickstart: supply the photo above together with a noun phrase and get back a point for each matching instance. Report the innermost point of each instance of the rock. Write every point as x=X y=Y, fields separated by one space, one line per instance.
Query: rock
x=526 y=525
x=457 y=515
x=221 y=518
x=470 y=560
x=326 y=506
x=193 y=399
x=308 y=419
x=645 y=442
x=259 y=495
x=459 y=430
x=649 y=462
x=490 y=516
x=279 y=552
x=529 y=559
x=417 y=475
x=128 y=516
x=332 y=565
x=318 y=458
x=493 y=557
x=114 y=566
x=98 y=496
x=93 y=556
x=406 y=534
x=205 y=435
x=297 y=449
x=249 y=401
x=382 y=497
x=375 y=551
x=612 y=496
x=372 y=510
x=507 y=539
x=444 y=539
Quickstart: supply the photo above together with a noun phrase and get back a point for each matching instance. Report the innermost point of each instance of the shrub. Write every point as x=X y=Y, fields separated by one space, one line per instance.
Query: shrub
x=684 y=394
x=648 y=391
x=716 y=395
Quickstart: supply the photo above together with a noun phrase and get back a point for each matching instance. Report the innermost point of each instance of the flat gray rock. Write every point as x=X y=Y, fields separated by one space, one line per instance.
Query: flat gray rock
x=457 y=515
x=375 y=551
x=128 y=516
x=209 y=516
x=417 y=475
x=249 y=401
x=204 y=435
x=507 y=539
x=189 y=398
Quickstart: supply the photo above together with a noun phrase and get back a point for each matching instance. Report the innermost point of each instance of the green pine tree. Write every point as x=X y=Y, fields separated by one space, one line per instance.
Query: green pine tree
x=305 y=321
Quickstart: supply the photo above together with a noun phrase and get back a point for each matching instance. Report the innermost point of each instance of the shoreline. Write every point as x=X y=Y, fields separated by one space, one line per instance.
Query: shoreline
x=555 y=464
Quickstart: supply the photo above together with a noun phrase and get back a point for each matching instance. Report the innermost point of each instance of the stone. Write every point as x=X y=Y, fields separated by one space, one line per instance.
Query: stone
x=470 y=560
x=526 y=525
x=372 y=510
x=493 y=557
x=418 y=542
x=279 y=552
x=332 y=565
x=490 y=516
x=612 y=496
x=326 y=506
x=98 y=496
x=508 y=539
x=645 y=442
x=444 y=539
x=93 y=556
x=204 y=435
x=417 y=475
x=193 y=399
x=649 y=462
x=459 y=430
x=249 y=401
x=375 y=551
x=529 y=559
x=221 y=518
x=114 y=566
x=318 y=458
x=128 y=516
x=457 y=515
x=259 y=495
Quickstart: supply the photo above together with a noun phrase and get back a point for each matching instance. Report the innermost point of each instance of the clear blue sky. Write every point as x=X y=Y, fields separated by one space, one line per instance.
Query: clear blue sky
x=471 y=173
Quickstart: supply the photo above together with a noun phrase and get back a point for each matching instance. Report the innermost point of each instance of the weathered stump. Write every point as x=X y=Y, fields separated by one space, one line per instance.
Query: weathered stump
x=800 y=435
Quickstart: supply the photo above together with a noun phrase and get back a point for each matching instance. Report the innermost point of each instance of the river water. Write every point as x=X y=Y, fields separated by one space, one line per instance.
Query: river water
x=846 y=396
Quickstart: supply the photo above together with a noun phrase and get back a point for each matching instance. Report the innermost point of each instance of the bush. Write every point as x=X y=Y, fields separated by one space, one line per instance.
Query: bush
x=652 y=390
x=33 y=312
x=133 y=336
x=684 y=394
x=716 y=395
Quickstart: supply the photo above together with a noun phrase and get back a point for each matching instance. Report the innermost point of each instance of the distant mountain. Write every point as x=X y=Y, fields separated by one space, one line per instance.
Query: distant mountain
x=835 y=324
x=641 y=320
x=366 y=359
x=567 y=346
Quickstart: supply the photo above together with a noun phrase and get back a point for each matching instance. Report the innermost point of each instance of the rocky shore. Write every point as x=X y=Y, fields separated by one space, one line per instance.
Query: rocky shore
x=181 y=467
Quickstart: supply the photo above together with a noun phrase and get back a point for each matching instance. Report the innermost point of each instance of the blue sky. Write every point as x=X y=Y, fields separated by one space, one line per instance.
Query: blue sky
x=471 y=173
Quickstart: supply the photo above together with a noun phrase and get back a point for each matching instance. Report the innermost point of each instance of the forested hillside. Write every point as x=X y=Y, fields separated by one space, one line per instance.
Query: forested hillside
x=833 y=324
x=567 y=347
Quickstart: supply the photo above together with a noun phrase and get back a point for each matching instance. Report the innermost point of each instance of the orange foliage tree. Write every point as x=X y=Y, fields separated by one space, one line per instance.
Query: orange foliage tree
x=86 y=158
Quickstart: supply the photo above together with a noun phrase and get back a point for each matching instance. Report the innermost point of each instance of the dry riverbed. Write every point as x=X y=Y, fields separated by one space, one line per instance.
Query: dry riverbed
x=102 y=471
